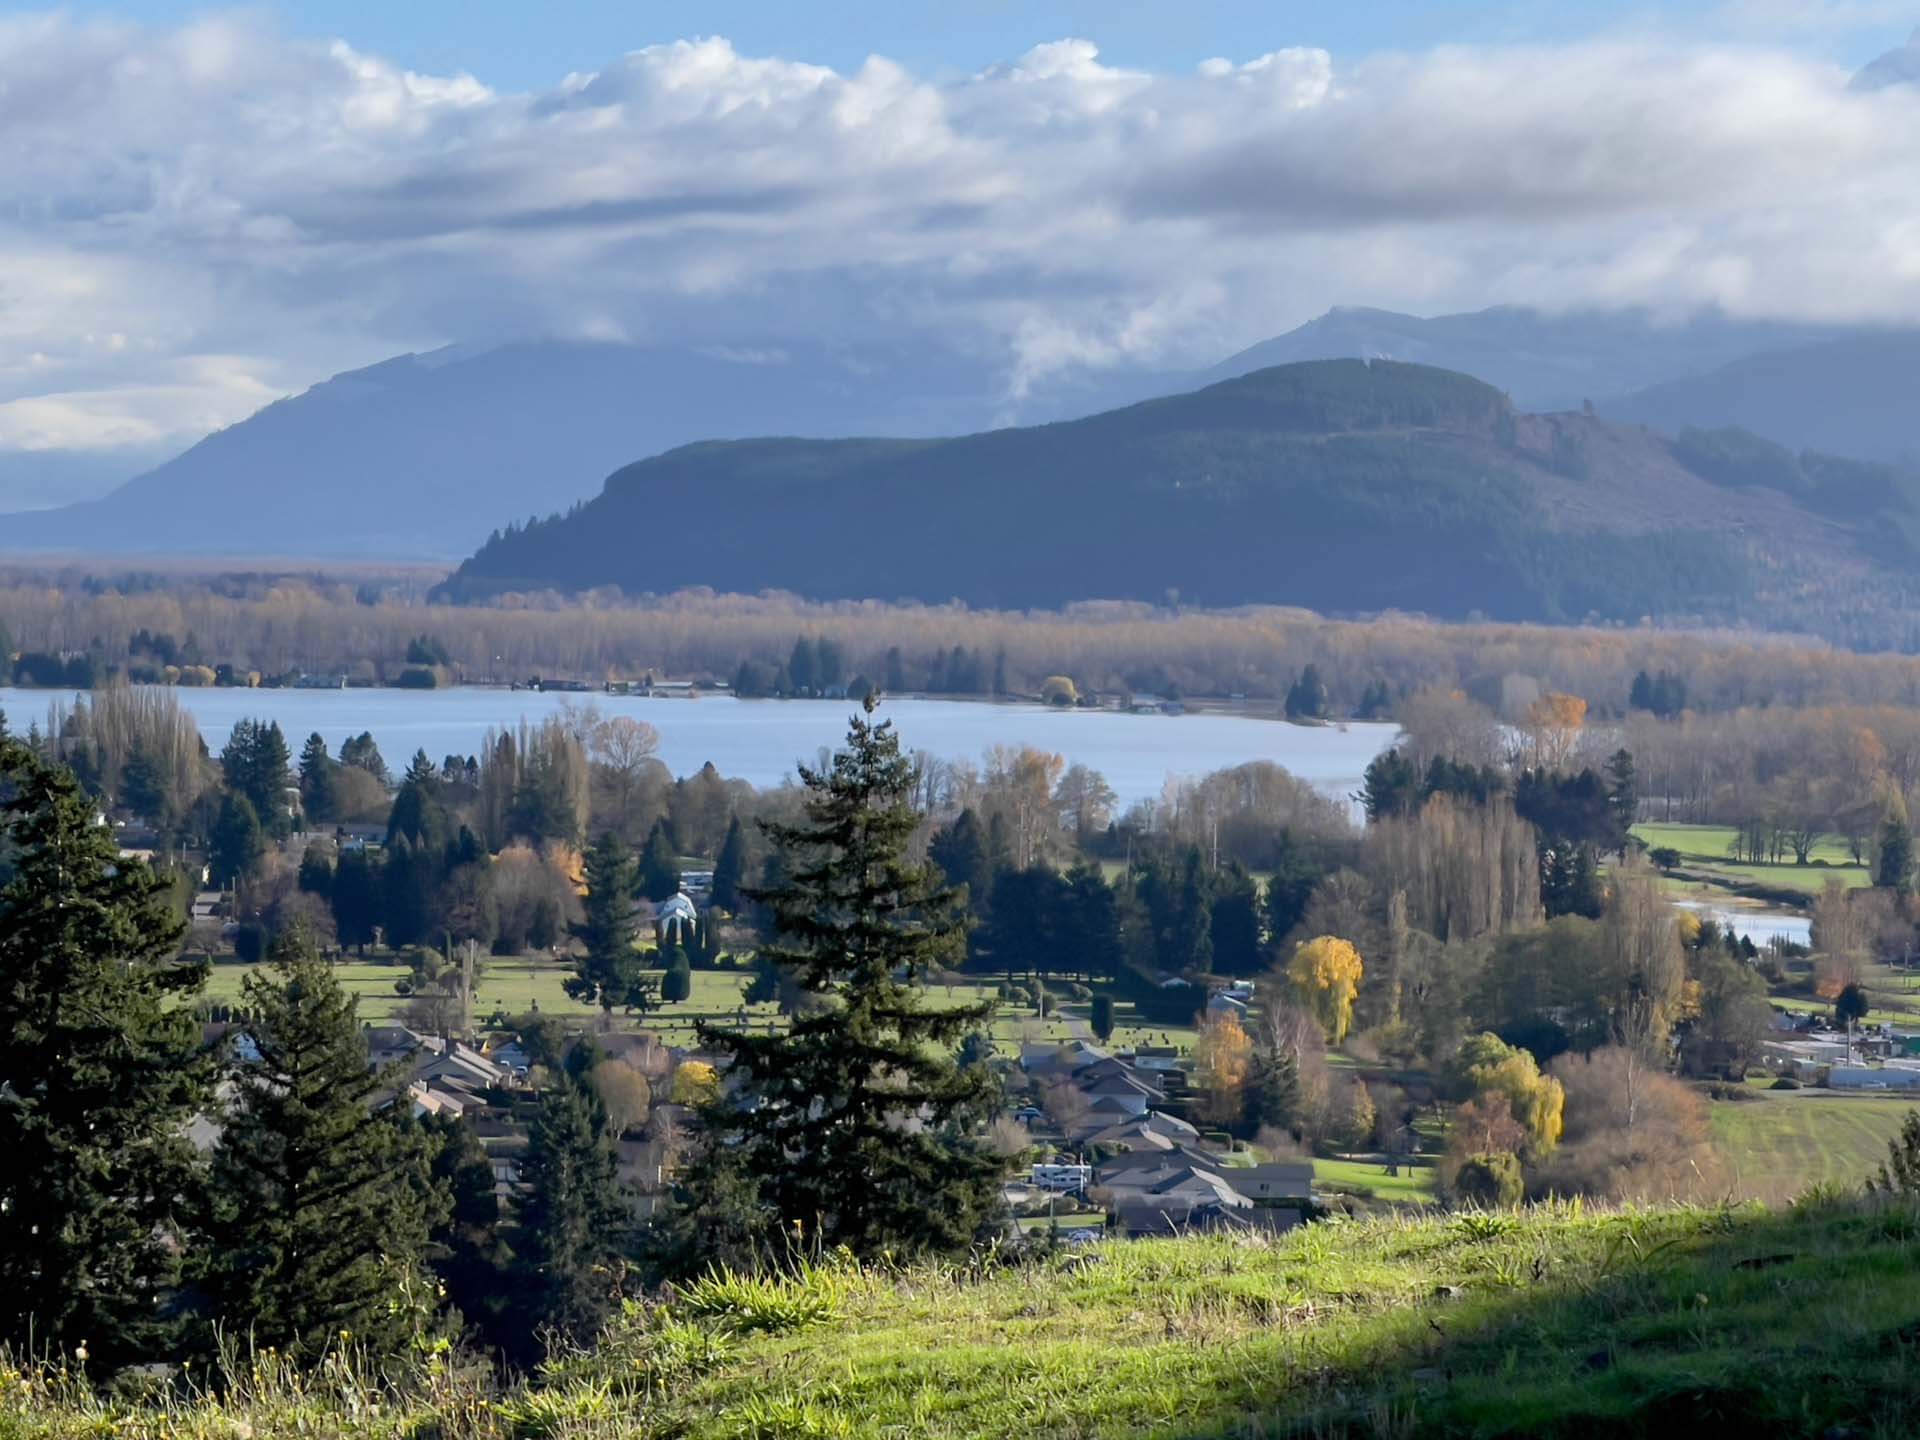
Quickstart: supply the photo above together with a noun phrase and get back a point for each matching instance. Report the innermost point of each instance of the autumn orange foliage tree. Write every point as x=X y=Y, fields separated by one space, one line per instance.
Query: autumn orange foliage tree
x=1223 y=1059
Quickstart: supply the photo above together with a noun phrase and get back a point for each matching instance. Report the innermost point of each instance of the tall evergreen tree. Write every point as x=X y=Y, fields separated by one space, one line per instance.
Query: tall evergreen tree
x=237 y=842
x=1308 y=699
x=361 y=751
x=468 y=1252
x=852 y=1123
x=316 y=779
x=802 y=672
x=409 y=878
x=960 y=850
x=730 y=869
x=99 y=1074
x=320 y=1204
x=659 y=877
x=254 y=764
x=608 y=972
x=1234 y=922
x=146 y=788
x=417 y=816
x=1893 y=856
x=354 y=899
x=1623 y=797
x=574 y=1221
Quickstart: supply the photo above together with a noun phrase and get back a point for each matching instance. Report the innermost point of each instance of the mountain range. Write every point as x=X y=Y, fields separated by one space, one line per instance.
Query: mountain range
x=1343 y=485
x=422 y=455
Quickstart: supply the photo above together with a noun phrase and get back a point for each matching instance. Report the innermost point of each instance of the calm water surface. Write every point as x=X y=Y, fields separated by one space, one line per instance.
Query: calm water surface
x=1760 y=925
x=760 y=740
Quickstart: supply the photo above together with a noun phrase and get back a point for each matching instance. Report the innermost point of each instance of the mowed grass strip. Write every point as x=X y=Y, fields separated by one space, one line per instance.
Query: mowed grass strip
x=1785 y=1143
x=1709 y=848
x=1413 y=1185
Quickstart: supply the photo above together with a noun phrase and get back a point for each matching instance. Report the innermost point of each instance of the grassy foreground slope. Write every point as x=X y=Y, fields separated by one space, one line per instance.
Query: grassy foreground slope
x=1555 y=1322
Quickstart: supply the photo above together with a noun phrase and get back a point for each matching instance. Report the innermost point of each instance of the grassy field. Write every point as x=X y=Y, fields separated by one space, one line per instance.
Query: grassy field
x=522 y=983
x=1778 y=1146
x=1412 y=1186
x=1708 y=850
x=1557 y=1322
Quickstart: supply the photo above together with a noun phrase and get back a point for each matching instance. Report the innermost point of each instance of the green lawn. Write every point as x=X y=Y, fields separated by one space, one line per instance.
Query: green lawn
x=1708 y=849
x=518 y=984
x=1412 y=1186
x=1087 y=1220
x=1779 y=1146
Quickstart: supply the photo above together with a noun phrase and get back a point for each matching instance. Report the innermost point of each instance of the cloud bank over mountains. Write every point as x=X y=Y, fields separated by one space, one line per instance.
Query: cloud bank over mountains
x=203 y=218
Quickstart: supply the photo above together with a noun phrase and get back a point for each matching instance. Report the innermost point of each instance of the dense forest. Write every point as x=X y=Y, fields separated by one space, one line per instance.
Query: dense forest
x=1347 y=485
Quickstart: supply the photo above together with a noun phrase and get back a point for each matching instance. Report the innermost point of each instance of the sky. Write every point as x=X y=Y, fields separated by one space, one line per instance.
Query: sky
x=205 y=209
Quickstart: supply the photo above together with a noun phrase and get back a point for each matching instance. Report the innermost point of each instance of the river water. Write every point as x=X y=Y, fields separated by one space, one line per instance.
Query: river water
x=760 y=740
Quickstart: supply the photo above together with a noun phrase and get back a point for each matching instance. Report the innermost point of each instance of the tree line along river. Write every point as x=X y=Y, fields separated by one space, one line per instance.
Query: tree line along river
x=760 y=740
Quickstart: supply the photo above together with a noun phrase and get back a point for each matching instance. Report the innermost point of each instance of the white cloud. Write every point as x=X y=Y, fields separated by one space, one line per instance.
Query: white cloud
x=221 y=191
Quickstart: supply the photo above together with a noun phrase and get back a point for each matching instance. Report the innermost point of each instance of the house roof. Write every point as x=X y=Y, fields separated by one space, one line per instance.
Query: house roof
x=1122 y=1082
x=1155 y=1129
x=1063 y=1059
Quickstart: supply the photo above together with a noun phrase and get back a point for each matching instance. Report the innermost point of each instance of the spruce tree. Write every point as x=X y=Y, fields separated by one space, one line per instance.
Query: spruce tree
x=468 y=1252
x=237 y=842
x=856 y=1123
x=608 y=972
x=659 y=877
x=320 y=1202
x=575 y=1225
x=100 y=1072
x=354 y=899
x=254 y=764
x=731 y=868
x=1893 y=859
x=316 y=779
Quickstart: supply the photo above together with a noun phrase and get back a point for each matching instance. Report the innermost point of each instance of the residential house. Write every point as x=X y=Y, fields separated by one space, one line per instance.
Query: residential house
x=1156 y=1130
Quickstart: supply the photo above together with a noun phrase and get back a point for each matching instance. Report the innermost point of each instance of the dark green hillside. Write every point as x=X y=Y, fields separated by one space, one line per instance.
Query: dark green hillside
x=1343 y=485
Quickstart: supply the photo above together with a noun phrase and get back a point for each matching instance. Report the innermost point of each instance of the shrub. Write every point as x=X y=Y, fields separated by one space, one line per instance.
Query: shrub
x=1492 y=1181
x=249 y=943
x=1785 y=1082
x=772 y=1304
x=677 y=984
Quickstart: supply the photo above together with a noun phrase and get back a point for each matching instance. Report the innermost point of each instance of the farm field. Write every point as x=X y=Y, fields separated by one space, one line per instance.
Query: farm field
x=1708 y=850
x=1781 y=1145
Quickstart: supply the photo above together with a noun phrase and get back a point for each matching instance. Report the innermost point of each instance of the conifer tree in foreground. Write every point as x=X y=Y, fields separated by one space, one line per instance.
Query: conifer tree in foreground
x=99 y=1075
x=574 y=1221
x=320 y=1202
x=608 y=974
x=852 y=1124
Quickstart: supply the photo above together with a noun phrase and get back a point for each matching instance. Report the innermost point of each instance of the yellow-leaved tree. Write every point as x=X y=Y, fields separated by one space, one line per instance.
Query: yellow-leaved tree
x=1223 y=1059
x=1490 y=1067
x=1327 y=971
x=695 y=1083
x=1552 y=729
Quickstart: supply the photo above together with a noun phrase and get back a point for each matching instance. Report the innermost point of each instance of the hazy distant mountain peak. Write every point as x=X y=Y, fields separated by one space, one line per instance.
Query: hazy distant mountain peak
x=1899 y=66
x=422 y=454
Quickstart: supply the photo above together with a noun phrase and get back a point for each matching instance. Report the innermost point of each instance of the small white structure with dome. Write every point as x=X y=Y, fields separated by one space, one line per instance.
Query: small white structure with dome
x=678 y=914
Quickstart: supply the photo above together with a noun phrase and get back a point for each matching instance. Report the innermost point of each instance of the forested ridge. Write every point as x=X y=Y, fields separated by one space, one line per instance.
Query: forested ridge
x=1348 y=485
